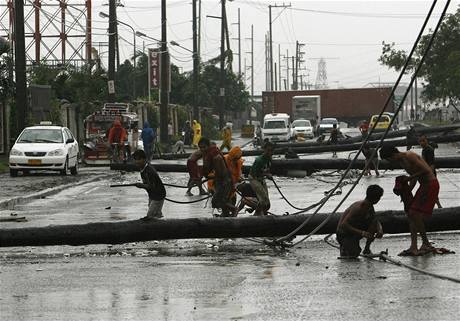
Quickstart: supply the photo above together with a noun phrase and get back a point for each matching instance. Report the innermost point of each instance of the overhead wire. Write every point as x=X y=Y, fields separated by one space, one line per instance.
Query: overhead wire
x=293 y=233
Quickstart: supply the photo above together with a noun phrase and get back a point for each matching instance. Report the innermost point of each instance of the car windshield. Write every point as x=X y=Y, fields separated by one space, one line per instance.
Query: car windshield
x=328 y=121
x=41 y=136
x=301 y=123
x=274 y=124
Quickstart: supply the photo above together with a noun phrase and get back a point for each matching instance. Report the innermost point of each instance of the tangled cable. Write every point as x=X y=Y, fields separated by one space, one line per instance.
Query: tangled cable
x=403 y=70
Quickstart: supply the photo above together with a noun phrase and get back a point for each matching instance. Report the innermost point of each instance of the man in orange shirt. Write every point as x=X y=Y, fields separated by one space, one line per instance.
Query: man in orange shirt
x=117 y=135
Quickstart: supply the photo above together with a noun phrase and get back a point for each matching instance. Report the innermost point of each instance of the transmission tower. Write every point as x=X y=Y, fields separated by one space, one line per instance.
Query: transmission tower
x=57 y=32
x=321 y=76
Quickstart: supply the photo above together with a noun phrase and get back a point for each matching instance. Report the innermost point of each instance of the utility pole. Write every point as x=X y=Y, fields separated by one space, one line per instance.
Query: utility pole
x=222 y=66
x=287 y=70
x=271 y=39
x=276 y=77
x=279 y=66
x=239 y=43
x=112 y=36
x=164 y=79
x=294 y=84
x=252 y=73
x=196 y=113
x=20 y=66
x=199 y=29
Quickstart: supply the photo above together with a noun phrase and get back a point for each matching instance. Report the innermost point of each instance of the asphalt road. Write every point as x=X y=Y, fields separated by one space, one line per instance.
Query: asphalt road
x=212 y=279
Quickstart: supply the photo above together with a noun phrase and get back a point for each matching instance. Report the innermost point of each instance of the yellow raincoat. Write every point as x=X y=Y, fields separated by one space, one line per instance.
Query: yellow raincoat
x=196 y=132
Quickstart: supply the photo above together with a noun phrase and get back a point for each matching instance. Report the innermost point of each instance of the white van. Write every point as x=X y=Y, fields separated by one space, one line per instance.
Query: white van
x=276 y=127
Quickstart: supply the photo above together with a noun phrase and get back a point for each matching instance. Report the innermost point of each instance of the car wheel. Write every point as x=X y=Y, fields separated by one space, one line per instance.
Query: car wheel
x=13 y=172
x=66 y=166
x=74 y=170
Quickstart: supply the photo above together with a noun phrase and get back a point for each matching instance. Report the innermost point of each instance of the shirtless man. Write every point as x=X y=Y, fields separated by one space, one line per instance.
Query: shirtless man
x=213 y=160
x=359 y=221
x=425 y=197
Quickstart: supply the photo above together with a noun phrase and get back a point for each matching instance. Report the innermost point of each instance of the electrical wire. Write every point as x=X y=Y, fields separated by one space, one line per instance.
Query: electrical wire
x=293 y=233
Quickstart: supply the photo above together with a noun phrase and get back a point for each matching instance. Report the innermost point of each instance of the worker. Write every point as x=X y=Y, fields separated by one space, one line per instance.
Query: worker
x=213 y=160
x=334 y=138
x=259 y=170
x=364 y=129
x=187 y=133
x=117 y=137
x=152 y=183
x=195 y=173
x=372 y=160
x=422 y=205
x=234 y=163
x=226 y=138
x=196 y=132
x=359 y=221
x=428 y=157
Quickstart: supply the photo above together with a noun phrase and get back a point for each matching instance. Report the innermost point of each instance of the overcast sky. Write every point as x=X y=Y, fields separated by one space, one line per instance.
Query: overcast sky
x=348 y=34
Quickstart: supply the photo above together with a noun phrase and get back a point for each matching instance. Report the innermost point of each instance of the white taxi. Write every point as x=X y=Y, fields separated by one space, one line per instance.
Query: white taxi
x=44 y=147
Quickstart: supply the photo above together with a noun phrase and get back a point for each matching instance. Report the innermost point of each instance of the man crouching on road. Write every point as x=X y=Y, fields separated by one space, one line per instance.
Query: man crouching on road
x=152 y=183
x=359 y=221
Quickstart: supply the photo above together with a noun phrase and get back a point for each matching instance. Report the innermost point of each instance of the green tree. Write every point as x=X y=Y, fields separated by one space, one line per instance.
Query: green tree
x=441 y=70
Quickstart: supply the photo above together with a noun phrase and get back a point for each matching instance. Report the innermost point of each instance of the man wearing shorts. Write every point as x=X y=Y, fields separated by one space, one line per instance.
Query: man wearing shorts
x=359 y=221
x=425 y=197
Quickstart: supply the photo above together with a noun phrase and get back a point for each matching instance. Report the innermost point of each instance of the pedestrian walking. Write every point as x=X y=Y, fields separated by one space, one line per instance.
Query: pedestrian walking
x=334 y=138
x=152 y=183
x=422 y=205
x=188 y=134
x=148 y=140
x=226 y=138
x=357 y=222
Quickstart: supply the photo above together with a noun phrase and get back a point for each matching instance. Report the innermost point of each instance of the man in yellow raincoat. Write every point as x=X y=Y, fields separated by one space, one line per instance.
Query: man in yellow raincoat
x=196 y=132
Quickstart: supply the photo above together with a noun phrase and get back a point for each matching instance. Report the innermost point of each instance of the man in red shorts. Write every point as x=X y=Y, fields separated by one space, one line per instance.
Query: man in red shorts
x=425 y=197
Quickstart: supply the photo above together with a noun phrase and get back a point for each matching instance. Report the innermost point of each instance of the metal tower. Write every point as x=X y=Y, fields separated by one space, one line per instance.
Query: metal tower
x=57 y=32
x=321 y=77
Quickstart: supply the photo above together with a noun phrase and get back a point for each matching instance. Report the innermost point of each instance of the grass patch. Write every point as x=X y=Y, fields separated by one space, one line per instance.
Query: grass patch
x=3 y=167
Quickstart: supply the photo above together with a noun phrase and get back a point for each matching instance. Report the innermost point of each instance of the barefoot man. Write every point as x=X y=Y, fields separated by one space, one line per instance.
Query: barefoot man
x=359 y=221
x=425 y=197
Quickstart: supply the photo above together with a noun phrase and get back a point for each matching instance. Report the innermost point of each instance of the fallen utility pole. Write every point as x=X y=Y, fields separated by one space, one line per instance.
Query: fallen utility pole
x=325 y=147
x=442 y=130
x=445 y=219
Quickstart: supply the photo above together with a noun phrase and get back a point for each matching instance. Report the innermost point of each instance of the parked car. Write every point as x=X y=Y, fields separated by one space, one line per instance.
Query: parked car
x=326 y=125
x=44 y=147
x=382 y=123
x=303 y=128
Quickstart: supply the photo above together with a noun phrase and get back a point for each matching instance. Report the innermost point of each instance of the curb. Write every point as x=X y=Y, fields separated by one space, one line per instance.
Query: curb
x=11 y=203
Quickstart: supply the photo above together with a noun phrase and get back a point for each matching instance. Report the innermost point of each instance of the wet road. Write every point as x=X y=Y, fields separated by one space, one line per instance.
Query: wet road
x=218 y=279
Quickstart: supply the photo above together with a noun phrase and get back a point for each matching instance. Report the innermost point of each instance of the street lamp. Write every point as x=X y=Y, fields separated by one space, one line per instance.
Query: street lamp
x=141 y=34
x=173 y=43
